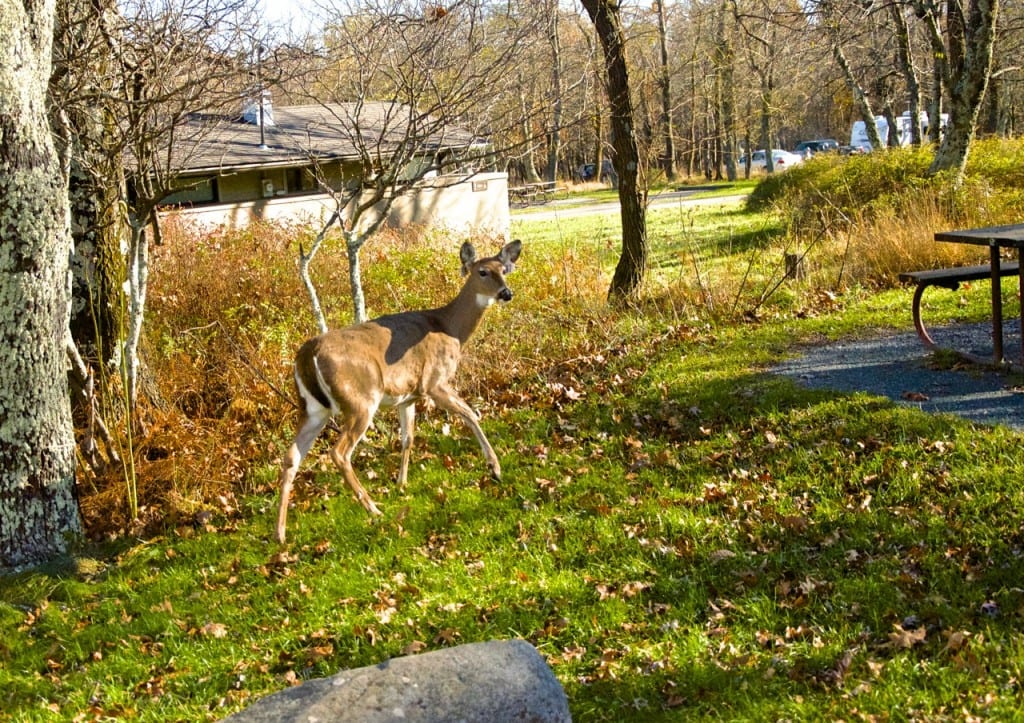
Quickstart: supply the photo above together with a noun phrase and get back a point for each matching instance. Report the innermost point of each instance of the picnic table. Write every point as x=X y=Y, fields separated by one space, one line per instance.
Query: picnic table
x=995 y=238
x=531 y=193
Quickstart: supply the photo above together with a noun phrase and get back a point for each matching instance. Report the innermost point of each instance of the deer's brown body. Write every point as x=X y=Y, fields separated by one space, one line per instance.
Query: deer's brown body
x=394 y=360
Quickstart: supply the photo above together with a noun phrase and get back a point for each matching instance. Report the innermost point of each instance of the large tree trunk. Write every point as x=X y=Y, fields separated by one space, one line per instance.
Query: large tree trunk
x=38 y=510
x=555 y=132
x=668 y=158
x=970 y=52
x=724 y=59
x=629 y=273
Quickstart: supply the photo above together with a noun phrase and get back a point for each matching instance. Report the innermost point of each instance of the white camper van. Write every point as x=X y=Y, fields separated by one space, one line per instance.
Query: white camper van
x=859 y=134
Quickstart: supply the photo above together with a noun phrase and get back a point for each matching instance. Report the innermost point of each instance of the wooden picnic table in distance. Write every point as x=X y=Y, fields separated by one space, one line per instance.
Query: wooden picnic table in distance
x=528 y=193
x=996 y=238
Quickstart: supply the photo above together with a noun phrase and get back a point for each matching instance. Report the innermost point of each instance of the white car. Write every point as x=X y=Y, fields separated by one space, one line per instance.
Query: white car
x=781 y=159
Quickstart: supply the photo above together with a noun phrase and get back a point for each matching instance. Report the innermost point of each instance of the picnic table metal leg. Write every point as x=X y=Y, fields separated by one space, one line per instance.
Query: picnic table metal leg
x=922 y=332
x=997 y=306
x=1020 y=299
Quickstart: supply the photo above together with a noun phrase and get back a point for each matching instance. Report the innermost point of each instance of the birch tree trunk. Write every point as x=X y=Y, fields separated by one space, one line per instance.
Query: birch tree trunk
x=38 y=509
x=138 y=282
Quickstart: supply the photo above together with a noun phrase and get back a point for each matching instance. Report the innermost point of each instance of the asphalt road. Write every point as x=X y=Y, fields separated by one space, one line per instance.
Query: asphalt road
x=565 y=208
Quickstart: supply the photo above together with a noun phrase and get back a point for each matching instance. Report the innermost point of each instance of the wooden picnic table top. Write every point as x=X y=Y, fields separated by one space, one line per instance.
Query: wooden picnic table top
x=1009 y=236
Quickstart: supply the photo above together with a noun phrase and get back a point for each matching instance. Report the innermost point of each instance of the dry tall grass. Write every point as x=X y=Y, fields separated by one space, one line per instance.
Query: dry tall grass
x=227 y=312
x=875 y=248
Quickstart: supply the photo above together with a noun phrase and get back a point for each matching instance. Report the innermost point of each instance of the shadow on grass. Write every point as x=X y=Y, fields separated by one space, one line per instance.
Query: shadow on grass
x=676 y=247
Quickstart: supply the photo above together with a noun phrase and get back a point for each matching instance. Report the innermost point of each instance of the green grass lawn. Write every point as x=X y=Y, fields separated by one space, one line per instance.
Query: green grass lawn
x=679 y=532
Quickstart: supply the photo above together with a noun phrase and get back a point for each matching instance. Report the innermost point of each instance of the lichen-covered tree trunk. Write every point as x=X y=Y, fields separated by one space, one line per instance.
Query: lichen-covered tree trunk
x=629 y=273
x=860 y=97
x=971 y=36
x=38 y=510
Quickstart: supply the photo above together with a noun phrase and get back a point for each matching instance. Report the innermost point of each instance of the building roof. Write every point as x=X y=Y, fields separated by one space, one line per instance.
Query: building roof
x=330 y=131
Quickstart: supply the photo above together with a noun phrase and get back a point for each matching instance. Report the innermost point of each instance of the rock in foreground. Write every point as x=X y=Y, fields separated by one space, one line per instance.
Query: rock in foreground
x=494 y=681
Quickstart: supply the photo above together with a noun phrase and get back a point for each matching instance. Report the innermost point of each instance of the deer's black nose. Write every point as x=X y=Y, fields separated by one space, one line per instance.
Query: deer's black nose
x=505 y=294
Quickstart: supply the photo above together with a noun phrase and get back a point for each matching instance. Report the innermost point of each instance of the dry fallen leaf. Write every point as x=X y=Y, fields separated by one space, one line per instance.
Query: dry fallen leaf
x=905 y=639
x=214 y=630
x=414 y=647
x=915 y=396
x=956 y=640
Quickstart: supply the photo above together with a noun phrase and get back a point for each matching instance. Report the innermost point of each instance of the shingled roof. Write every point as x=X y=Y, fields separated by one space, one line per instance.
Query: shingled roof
x=332 y=131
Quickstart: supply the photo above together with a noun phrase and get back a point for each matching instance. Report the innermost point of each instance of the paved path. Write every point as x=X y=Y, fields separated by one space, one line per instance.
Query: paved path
x=565 y=208
x=897 y=366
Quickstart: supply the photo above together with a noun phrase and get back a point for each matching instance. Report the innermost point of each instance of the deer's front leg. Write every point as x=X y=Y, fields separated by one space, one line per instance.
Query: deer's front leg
x=448 y=400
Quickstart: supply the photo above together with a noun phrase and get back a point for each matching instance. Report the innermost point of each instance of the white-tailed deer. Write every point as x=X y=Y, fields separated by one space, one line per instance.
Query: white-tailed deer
x=393 y=360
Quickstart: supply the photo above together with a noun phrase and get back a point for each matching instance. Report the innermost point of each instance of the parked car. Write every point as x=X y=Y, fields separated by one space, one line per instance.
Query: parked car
x=588 y=171
x=810 y=148
x=781 y=159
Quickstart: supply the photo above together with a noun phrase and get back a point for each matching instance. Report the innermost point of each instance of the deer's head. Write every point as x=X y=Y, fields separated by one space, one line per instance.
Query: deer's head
x=487 y=276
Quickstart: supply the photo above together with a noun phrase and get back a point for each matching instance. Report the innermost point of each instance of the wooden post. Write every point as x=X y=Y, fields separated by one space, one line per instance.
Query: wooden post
x=795 y=268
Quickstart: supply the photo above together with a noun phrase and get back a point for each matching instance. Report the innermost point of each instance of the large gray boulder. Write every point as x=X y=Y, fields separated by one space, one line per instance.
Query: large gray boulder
x=494 y=681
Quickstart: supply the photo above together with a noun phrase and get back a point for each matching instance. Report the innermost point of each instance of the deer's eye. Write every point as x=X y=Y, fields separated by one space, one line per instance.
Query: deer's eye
x=483 y=272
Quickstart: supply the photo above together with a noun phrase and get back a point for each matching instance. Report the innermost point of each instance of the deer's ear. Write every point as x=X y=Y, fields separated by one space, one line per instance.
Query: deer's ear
x=467 y=254
x=509 y=254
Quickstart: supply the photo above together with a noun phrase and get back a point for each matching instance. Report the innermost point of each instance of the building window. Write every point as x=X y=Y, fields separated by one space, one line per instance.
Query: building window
x=299 y=180
x=193 y=191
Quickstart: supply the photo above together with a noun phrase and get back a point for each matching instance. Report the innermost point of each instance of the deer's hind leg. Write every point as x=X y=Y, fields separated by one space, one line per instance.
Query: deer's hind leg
x=312 y=422
x=355 y=421
x=406 y=425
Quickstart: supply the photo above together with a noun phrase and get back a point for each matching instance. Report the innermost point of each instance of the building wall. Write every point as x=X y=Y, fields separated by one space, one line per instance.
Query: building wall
x=478 y=203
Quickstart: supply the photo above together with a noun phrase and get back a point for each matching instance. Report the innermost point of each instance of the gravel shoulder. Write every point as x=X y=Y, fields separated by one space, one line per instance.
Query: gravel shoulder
x=897 y=366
